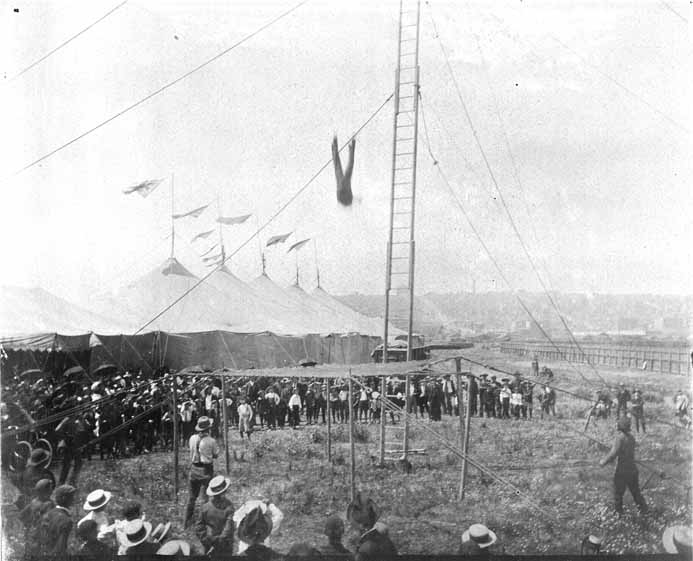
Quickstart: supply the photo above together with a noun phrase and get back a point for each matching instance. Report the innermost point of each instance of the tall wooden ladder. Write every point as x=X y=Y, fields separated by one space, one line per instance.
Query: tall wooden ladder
x=400 y=248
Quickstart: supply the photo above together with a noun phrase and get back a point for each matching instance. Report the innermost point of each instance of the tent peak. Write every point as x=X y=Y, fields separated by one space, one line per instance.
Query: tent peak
x=174 y=267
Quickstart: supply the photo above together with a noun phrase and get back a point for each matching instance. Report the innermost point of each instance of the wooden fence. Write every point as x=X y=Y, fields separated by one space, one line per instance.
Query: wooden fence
x=670 y=360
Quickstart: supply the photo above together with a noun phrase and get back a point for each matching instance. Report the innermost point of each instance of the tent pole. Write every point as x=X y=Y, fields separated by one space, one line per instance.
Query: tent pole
x=173 y=227
x=383 y=400
x=352 y=485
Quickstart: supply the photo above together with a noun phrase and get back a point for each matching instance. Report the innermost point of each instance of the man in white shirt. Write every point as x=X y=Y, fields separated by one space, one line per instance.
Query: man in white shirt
x=295 y=409
x=203 y=450
x=95 y=506
x=245 y=414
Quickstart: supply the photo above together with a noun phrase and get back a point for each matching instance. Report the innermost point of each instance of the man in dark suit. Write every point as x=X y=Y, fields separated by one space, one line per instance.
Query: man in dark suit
x=55 y=526
x=374 y=543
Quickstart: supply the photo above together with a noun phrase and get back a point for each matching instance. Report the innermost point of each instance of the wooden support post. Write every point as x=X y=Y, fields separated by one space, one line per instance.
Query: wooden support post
x=465 y=444
x=458 y=381
x=383 y=420
x=329 y=421
x=406 y=416
x=225 y=424
x=352 y=458
x=174 y=416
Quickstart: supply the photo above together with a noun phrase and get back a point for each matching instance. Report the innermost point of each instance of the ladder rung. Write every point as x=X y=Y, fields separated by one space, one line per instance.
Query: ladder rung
x=407 y=96
x=406 y=139
x=413 y=53
x=403 y=153
x=403 y=169
x=408 y=68
x=407 y=39
x=404 y=125
x=399 y=243
x=402 y=198
x=401 y=228
x=409 y=25
x=407 y=83
x=403 y=183
x=400 y=273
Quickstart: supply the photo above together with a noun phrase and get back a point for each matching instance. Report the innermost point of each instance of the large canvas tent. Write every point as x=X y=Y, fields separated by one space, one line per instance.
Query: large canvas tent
x=222 y=322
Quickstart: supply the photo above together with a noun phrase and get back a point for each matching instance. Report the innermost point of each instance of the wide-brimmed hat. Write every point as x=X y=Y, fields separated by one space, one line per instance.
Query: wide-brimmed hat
x=136 y=531
x=159 y=533
x=362 y=511
x=38 y=457
x=96 y=499
x=203 y=424
x=175 y=547
x=255 y=526
x=218 y=485
x=480 y=535
x=678 y=539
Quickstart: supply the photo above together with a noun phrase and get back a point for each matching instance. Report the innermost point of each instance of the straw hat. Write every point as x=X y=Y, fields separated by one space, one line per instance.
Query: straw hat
x=203 y=424
x=175 y=547
x=480 y=535
x=136 y=531
x=678 y=539
x=159 y=533
x=218 y=485
x=96 y=500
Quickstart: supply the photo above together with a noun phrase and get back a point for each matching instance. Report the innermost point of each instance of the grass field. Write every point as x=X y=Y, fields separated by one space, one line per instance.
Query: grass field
x=547 y=460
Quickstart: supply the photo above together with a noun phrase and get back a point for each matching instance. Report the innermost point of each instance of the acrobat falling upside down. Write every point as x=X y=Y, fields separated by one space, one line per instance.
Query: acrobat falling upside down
x=344 y=194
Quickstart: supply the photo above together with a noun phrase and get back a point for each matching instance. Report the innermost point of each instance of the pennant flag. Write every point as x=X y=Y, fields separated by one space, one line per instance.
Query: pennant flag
x=144 y=188
x=211 y=257
x=228 y=220
x=278 y=239
x=299 y=245
x=203 y=235
x=194 y=213
x=210 y=249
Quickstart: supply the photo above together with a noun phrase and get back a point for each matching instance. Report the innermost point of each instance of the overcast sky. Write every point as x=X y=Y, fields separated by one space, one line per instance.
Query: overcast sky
x=593 y=98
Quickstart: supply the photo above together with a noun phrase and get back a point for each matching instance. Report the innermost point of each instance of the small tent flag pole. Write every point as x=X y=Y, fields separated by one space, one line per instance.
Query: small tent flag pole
x=221 y=235
x=317 y=266
x=173 y=222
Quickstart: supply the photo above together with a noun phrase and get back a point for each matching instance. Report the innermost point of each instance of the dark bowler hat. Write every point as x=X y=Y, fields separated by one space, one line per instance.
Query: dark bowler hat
x=39 y=457
x=255 y=526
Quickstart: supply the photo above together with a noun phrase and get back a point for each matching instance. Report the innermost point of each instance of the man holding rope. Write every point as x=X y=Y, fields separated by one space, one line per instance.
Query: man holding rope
x=626 y=474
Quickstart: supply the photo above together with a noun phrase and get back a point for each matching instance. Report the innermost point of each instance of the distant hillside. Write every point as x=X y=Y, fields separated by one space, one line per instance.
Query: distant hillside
x=500 y=311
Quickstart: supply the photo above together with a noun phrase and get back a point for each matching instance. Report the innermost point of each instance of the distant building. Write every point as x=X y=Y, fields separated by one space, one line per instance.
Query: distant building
x=671 y=325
